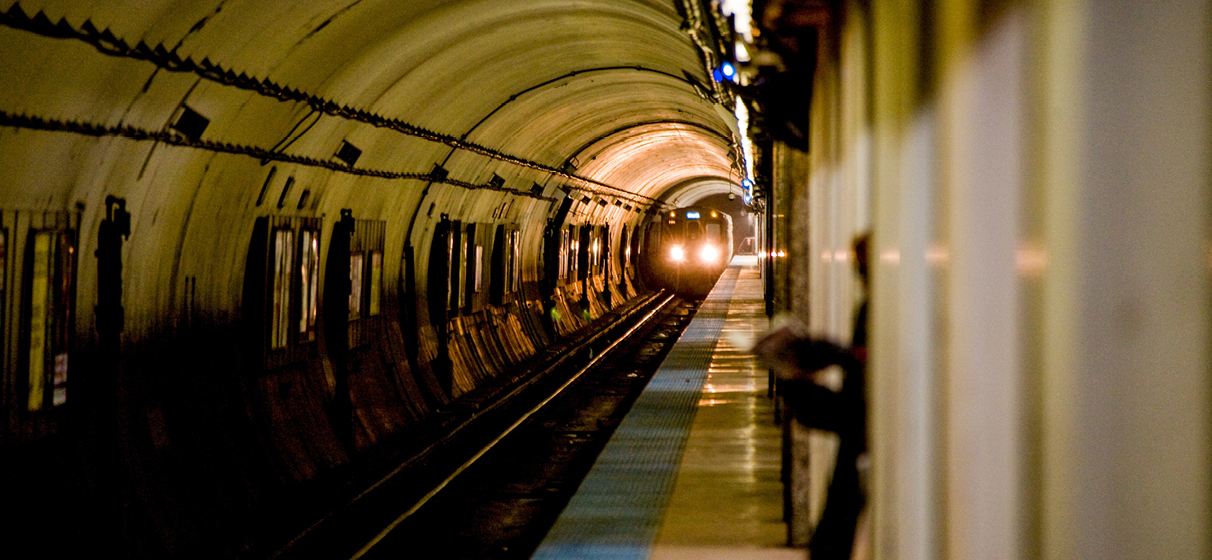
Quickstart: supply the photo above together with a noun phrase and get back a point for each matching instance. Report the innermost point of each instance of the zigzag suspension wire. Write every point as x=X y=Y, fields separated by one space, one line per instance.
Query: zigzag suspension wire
x=173 y=139
x=107 y=43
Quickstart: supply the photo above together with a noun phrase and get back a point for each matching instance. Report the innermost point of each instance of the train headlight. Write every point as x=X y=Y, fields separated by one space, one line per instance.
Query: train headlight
x=677 y=254
x=709 y=254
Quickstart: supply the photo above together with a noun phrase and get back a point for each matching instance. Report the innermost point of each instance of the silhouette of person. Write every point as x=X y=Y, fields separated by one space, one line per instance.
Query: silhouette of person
x=795 y=359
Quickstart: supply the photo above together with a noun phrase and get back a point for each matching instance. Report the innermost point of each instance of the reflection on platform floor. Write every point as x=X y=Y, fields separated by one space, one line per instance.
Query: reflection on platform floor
x=693 y=472
x=728 y=499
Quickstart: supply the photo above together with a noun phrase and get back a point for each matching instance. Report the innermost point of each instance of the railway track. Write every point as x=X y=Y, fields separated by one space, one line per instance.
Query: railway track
x=493 y=485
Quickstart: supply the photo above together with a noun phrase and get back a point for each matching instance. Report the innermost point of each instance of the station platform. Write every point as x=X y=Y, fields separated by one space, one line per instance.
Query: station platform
x=693 y=471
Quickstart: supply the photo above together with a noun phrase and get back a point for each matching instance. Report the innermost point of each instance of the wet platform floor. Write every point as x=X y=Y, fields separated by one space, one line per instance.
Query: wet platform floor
x=693 y=471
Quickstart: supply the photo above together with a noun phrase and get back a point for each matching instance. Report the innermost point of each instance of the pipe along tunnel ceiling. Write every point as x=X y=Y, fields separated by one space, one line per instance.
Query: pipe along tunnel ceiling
x=234 y=130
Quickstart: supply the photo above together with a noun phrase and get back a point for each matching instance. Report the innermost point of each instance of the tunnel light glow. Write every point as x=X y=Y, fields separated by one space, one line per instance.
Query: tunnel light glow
x=742 y=16
x=677 y=254
x=742 y=123
x=709 y=253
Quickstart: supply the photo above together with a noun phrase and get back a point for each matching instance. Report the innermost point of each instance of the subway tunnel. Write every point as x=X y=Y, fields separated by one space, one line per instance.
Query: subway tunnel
x=250 y=252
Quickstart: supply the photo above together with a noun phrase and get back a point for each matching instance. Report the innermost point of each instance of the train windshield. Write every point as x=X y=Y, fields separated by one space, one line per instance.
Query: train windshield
x=671 y=233
x=694 y=231
x=713 y=231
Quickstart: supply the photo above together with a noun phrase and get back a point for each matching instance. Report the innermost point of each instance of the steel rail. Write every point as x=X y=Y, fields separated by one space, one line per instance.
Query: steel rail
x=544 y=371
x=467 y=464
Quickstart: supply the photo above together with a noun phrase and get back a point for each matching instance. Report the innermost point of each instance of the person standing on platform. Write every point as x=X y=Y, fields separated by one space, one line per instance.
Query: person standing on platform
x=795 y=359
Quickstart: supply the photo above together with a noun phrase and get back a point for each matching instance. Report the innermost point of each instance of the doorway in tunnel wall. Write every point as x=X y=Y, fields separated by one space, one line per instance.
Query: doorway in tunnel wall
x=281 y=290
x=439 y=295
x=506 y=264
x=366 y=281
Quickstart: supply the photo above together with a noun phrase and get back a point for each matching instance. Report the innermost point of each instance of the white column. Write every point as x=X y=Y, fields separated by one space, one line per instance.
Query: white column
x=981 y=171
x=1125 y=388
x=1126 y=400
x=903 y=379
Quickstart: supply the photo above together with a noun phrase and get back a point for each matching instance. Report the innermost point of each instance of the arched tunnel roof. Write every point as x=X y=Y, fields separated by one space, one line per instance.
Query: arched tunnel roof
x=516 y=88
x=313 y=227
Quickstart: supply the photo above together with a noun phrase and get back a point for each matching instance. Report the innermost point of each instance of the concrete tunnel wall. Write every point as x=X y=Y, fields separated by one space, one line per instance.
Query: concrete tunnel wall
x=214 y=429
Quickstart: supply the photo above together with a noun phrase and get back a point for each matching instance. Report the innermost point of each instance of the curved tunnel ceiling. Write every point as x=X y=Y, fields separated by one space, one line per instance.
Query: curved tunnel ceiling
x=539 y=82
x=688 y=192
x=236 y=214
x=652 y=157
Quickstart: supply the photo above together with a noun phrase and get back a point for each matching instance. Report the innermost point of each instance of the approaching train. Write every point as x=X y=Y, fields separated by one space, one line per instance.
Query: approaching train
x=687 y=249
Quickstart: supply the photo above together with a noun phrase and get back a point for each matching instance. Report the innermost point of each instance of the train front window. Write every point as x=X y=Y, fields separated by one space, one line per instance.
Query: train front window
x=671 y=234
x=714 y=232
x=694 y=231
